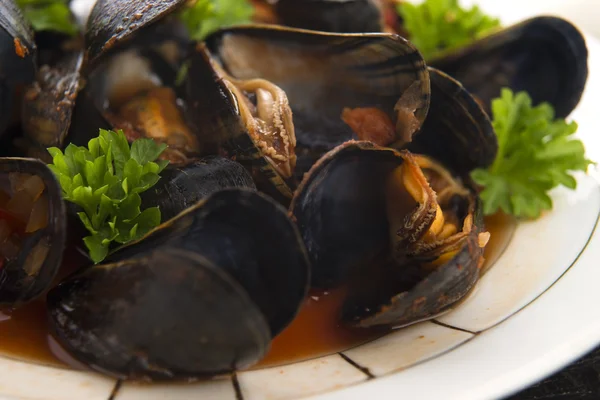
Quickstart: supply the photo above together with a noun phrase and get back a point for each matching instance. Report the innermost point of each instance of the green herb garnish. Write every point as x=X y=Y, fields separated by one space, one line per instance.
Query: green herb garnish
x=49 y=15
x=105 y=180
x=438 y=25
x=535 y=154
x=203 y=17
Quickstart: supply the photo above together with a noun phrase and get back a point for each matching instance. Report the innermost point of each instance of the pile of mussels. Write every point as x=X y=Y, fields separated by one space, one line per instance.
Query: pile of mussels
x=299 y=159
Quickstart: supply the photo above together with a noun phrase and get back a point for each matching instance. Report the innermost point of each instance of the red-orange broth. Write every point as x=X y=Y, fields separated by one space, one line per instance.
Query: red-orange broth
x=315 y=332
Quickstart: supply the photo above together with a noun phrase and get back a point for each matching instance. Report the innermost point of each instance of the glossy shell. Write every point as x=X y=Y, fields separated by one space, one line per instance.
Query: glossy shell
x=201 y=295
x=181 y=187
x=113 y=22
x=323 y=73
x=214 y=111
x=344 y=228
x=401 y=295
x=544 y=56
x=457 y=131
x=48 y=106
x=20 y=280
x=344 y=16
x=18 y=53
x=347 y=235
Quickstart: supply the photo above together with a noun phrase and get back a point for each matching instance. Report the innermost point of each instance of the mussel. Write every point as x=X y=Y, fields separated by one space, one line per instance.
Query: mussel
x=48 y=105
x=32 y=229
x=523 y=57
x=133 y=52
x=329 y=80
x=49 y=96
x=343 y=16
x=259 y=134
x=457 y=131
x=202 y=294
x=181 y=187
x=544 y=56
x=403 y=231
x=18 y=53
x=399 y=229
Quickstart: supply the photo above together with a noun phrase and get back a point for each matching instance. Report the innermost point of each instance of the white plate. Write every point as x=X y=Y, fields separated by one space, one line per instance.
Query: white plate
x=533 y=313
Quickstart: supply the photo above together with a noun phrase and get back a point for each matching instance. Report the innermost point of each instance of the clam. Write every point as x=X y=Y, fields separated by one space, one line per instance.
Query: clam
x=200 y=295
x=32 y=229
x=322 y=75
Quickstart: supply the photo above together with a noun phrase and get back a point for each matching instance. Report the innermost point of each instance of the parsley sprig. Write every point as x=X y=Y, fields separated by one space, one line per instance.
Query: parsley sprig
x=536 y=153
x=49 y=15
x=202 y=17
x=105 y=180
x=439 y=25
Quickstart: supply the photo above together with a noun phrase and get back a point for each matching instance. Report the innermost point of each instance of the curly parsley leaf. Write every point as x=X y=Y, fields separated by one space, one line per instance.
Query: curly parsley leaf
x=49 y=15
x=439 y=25
x=203 y=17
x=536 y=153
x=105 y=180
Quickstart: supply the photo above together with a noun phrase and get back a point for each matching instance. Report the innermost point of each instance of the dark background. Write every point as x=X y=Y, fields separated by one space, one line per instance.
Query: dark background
x=580 y=380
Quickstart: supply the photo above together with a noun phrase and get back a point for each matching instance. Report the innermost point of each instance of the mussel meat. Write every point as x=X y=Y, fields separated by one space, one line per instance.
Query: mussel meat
x=202 y=294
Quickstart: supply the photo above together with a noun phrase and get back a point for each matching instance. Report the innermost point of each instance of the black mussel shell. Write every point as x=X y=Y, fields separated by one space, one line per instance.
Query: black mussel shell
x=215 y=112
x=544 y=56
x=202 y=294
x=346 y=16
x=113 y=22
x=18 y=54
x=31 y=272
x=181 y=187
x=324 y=73
x=396 y=296
x=341 y=209
x=457 y=131
x=341 y=213
x=48 y=105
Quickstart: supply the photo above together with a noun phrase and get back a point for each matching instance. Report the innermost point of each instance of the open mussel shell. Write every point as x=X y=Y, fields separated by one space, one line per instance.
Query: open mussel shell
x=33 y=229
x=134 y=52
x=180 y=188
x=457 y=131
x=396 y=296
x=48 y=106
x=202 y=294
x=343 y=16
x=220 y=113
x=544 y=56
x=381 y=241
x=111 y=22
x=323 y=74
x=18 y=54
